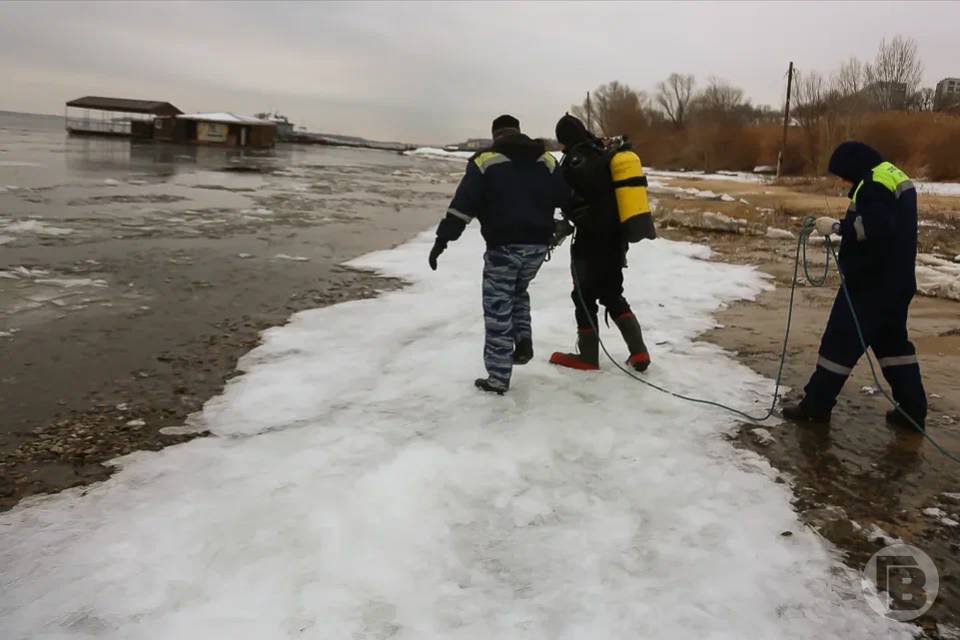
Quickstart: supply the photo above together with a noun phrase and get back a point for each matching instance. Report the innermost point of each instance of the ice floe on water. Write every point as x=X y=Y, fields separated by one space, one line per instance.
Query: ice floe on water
x=18 y=163
x=442 y=154
x=25 y=290
x=359 y=486
x=33 y=226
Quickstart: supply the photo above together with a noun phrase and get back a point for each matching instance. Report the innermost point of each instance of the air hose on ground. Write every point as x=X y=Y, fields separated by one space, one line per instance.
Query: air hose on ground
x=806 y=228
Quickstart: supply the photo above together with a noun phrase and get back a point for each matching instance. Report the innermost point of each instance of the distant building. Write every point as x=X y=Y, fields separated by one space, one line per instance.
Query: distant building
x=285 y=128
x=95 y=115
x=947 y=94
x=473 y=144
x=225 y=129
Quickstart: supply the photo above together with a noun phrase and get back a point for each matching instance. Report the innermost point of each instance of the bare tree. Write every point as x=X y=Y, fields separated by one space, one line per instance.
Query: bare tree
x=674 y=96
x=850 y=79
x=616 y=108
x=719 y=101
x=812 y=104
x=922 y=100
x=895 y=73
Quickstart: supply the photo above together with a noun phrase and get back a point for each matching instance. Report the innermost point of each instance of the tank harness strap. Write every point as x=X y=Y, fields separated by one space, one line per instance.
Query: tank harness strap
x=636 y=181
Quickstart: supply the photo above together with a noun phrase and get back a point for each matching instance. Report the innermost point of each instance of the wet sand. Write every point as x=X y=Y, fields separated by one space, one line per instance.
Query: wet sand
x=136 y=276
x=859 y=482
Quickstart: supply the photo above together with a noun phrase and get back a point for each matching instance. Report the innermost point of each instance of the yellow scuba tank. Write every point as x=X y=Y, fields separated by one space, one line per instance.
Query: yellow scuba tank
x=630 y=186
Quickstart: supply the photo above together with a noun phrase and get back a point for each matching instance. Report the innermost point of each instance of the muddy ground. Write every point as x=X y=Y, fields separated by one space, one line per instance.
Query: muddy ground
x=859 y=482
x=132 y=278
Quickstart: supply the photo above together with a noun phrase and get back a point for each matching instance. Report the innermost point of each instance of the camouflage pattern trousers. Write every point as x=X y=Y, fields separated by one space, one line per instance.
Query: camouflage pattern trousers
x=507 y=272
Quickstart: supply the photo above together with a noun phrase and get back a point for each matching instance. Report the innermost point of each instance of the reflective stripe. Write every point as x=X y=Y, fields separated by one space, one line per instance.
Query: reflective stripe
x=853 y=198
x=549 y=160
x=888 y=175
x=903 y=187
x=459 y=214
x=858 y=227
x=833 y=367
x=897 y=361
x=489 y=158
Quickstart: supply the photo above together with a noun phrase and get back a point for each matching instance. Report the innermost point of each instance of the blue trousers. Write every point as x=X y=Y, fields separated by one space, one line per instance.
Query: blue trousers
x=883 y=319
x=507 y=273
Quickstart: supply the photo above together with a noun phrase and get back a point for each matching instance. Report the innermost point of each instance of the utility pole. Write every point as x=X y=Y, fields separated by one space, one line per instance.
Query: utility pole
x=786 y=121
x=589 y=114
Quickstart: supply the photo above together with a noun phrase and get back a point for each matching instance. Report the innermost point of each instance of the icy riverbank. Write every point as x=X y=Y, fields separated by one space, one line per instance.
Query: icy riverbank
x=361 y=487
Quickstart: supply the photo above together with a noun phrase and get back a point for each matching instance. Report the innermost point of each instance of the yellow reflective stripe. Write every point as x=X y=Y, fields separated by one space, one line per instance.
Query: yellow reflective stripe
x=549 y=160
x=489 y=158
x=890 y=176
x=853 y=198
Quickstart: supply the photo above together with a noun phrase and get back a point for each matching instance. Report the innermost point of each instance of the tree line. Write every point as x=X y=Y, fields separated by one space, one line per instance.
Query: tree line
x=683 y=124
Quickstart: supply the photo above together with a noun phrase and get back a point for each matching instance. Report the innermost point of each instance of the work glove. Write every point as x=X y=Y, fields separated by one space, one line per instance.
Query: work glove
x=438 y=247
x=827 y=225
x=562 y=229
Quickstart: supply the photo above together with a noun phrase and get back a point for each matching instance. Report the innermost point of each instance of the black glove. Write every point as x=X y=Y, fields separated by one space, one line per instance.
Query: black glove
x=562 y=229
x=438 y=247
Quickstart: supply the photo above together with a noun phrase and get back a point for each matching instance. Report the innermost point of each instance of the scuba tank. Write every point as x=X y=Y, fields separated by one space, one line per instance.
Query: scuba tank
x=630 y=187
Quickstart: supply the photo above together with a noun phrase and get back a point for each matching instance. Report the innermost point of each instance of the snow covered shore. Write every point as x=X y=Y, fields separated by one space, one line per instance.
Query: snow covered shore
x=930 y=188
x=358 y=486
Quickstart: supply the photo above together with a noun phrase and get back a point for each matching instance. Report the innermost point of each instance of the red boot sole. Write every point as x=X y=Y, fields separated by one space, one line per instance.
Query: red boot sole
x=572 y=362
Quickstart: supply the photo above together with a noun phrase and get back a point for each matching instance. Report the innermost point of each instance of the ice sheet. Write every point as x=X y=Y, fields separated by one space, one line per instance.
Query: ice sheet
x=359 y=486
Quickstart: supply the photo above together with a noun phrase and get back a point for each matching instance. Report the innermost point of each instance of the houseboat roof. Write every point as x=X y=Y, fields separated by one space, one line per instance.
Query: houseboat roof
x=126 y=105
x=226 y=118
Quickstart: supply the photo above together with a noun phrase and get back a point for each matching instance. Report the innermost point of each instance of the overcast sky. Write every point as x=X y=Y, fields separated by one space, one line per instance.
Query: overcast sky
x=434 y=72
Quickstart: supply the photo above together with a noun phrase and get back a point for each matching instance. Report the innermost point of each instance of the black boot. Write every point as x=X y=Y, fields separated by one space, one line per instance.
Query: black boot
x=633 y=336
x=899 y=420
x=588 y=358
x=485 y=384
x=798 y=412
x=523 y=351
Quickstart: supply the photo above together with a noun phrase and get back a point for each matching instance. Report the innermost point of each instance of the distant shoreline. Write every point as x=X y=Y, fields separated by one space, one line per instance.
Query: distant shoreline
x=27 y=113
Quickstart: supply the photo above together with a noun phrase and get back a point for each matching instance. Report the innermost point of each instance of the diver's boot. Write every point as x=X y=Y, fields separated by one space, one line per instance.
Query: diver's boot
x=632 y=334
x=523 y=351
x=799 y=412
x=588 y=358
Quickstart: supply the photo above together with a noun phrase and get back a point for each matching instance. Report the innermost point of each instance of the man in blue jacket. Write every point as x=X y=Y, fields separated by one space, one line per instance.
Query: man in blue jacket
x=878 y=254
x=513 y=190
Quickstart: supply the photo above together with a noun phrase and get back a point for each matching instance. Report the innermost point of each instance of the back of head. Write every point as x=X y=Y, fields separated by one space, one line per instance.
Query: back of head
x=571 y=131
x=505 y=125
x=853 y=160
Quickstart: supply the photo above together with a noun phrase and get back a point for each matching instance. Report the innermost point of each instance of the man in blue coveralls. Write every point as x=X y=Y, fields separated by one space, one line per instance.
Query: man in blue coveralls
x=878 y=254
